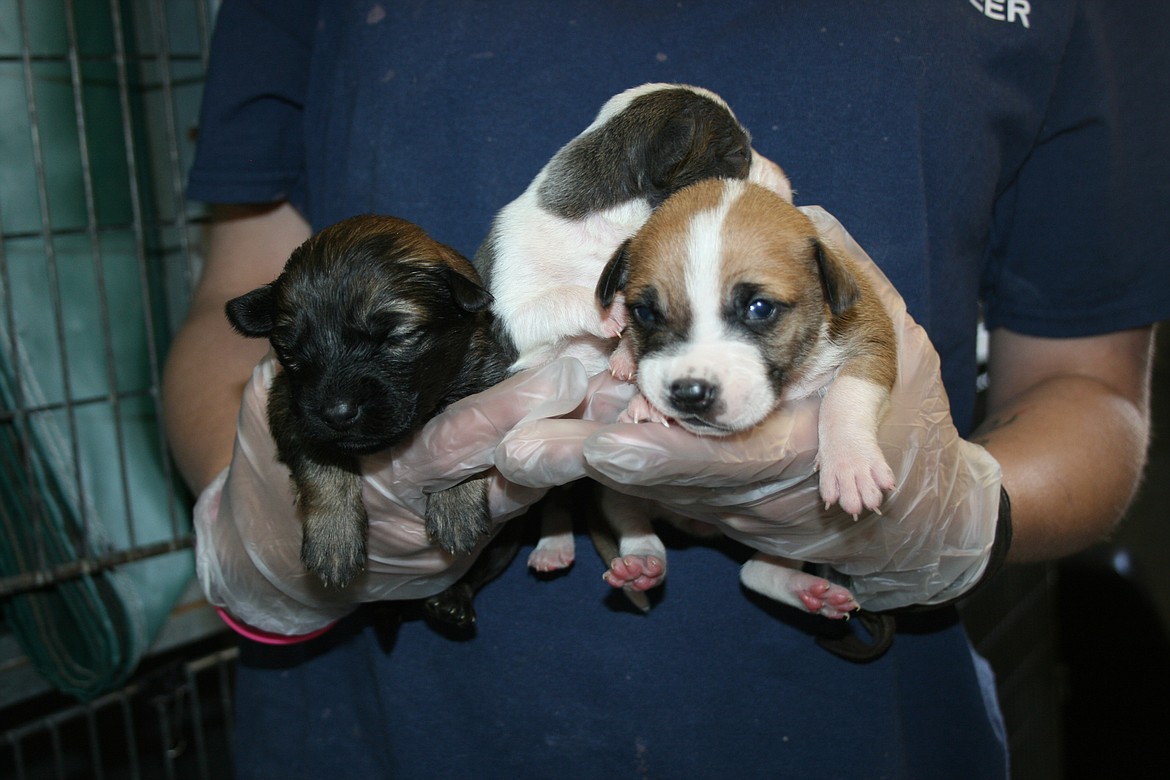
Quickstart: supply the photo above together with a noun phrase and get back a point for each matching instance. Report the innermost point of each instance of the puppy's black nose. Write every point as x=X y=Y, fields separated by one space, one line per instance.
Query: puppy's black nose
x=693 y=395
x=341 y=414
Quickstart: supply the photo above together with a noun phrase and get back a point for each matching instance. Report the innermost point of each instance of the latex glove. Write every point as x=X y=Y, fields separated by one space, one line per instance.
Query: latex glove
x=249 y=537
x=933 y=540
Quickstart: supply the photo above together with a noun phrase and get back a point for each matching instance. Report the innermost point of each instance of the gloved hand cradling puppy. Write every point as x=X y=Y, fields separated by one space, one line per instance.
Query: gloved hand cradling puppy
x=779 y=372
x=937 y=530
x=932 y=542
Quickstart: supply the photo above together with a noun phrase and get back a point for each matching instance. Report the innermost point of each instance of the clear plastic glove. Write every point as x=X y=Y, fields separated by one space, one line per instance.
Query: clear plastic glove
x=249 y=536
x=935 y=534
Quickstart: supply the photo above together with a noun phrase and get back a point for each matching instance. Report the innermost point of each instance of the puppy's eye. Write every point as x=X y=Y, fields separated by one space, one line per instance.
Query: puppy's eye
x=644 y=314
x=287 y=363
x=760 y=309
x=401 y=335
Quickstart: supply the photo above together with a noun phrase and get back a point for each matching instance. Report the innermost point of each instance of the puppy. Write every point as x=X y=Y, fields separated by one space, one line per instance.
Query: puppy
x=546 y=250
x=736 y=305
x=377 y=328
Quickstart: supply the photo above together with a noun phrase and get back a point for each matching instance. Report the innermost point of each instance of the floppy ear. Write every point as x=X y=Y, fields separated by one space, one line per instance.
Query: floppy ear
x=700 y=141
x=666 y=150
x=614 y=276
x=468 y=293
x=837 y=281
x=251 y=313
x=461 y=279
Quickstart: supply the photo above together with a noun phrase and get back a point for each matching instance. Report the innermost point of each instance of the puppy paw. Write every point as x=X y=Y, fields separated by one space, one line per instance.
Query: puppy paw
x=622 y=364
x=855 y=481
x=333 y=518
x=821 y=597
x=457 y=517
x=452 y=607
x=334 y=547
x=782 y=580
x=610 y=328
x=614 y=321
x=641 y=410
x=553 y=553
x=636 y=572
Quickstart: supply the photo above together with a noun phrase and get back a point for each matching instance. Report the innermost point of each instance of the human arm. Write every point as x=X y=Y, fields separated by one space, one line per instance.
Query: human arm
x=1068 y=421
x=209 y=363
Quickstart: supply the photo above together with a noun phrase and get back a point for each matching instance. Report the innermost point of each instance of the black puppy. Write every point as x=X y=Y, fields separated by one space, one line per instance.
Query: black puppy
x=377 y=328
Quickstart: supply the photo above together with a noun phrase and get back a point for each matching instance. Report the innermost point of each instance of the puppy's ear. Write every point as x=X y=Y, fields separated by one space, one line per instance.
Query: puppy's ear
x=469 y=294
x=700 y=141
x=667 y=150
x=837 y=281
x=614 y=276
x=251 y=313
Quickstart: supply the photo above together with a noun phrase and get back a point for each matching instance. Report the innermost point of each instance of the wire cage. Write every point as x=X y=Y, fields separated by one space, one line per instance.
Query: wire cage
x=109 y=664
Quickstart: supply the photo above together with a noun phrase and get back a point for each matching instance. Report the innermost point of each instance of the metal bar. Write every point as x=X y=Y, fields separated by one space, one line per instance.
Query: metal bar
x=95 y=249
x=225 y=701
x=140 y=255
x=21 y=420
x=80 y=401
x=17 y=756
x=178 y=194
x=203 y=17
x=197 y=723
x=131 y=739
x=95 y=746
x=19 y=417
x=33 y=580
x=172 y=136
x=164 y=727
x=61 y=58
x=51 y=265
x=114 y=227
x=58 y=753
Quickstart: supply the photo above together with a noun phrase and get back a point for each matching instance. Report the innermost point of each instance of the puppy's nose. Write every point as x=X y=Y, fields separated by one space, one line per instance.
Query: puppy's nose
x=692 y=395
x=341 y=414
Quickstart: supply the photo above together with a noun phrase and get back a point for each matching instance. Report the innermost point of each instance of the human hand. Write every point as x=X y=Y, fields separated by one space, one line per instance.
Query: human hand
x=249 y=538
x=933 y=539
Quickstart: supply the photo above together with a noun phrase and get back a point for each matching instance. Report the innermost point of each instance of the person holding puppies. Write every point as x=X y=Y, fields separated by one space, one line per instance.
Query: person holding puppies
x=990 y=164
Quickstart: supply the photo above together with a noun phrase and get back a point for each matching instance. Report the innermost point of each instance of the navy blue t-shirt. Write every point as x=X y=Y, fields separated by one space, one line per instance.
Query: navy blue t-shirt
x=998 y=157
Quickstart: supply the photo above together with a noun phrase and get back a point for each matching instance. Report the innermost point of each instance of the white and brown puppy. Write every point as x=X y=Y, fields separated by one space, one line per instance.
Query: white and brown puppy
x=737 y=305
x=546 y=250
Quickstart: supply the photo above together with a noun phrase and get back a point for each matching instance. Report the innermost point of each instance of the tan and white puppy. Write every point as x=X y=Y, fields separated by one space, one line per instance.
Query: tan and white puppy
x=546 y=250
x=737 y=305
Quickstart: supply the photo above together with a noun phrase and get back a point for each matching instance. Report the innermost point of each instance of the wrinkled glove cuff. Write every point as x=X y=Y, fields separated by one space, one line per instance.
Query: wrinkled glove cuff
x=995 y=559
x=880 y=625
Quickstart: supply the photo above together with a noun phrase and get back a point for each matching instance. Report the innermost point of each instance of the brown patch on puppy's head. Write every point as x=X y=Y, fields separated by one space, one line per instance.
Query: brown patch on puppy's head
x=731 y=295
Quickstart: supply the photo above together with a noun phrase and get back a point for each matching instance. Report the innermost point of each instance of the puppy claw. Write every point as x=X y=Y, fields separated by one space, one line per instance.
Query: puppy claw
x=335 y=564
x=457 y=517
x=333 y=544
